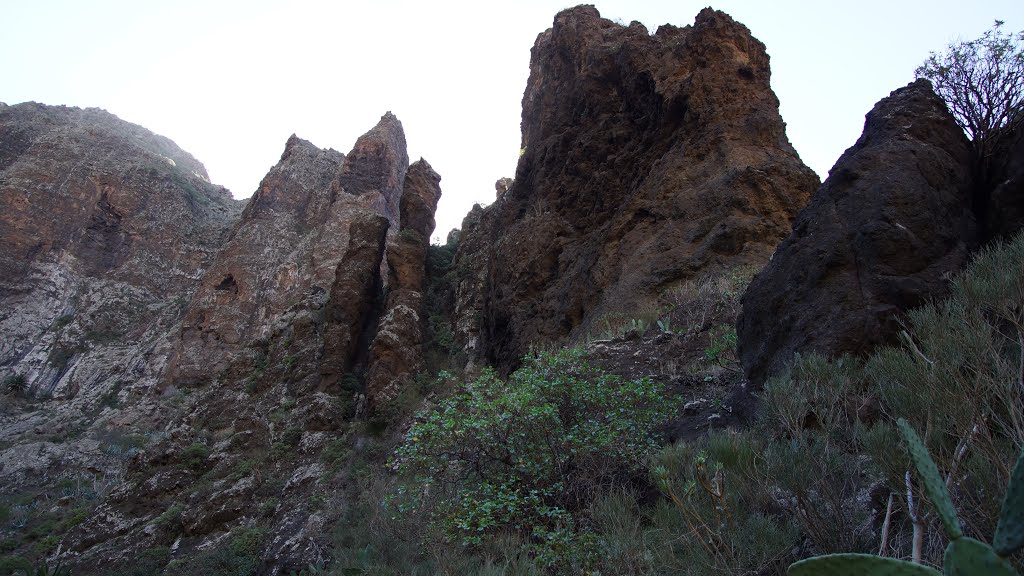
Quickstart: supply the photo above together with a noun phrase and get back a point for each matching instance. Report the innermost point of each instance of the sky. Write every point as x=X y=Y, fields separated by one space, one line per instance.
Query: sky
x=230 y=81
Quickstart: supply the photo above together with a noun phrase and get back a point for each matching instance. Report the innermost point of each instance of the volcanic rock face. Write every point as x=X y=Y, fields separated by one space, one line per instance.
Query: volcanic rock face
x=105 y=228
x=276 y=348
x=884 y=233
x=104 y=225
x=1004 y=206
x=289 y=251
x=129 y=284
x=397 y=351
x=648 y=160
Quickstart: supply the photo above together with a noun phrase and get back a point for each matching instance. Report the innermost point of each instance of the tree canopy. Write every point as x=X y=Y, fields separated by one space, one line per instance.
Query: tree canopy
x=982 y=82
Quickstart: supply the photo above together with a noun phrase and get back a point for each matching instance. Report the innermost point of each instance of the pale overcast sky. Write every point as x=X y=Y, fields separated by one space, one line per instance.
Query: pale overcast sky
x=230 y=81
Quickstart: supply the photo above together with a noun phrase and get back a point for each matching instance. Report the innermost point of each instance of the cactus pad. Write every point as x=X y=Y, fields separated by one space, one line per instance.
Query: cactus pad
x=968 y=557
x=933 y=483
x=858 y=565
x=1010 y=532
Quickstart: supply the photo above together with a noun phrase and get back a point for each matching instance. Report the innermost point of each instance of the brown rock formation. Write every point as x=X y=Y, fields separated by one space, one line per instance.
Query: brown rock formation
x=396 y=354
x=352 y=297
x=882 y=235
x=648 y=159
x=290 y=250
x=123 y=272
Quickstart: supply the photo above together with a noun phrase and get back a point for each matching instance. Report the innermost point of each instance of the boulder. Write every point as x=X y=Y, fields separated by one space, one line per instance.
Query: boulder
x=882 y=235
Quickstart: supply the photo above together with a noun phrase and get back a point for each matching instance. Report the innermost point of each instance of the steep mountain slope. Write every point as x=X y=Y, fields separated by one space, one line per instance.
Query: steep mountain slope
x=273 y=363
x=104 y=230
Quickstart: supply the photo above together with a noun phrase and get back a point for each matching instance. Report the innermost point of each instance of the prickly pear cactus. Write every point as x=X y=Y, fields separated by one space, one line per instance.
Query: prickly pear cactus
x=1010 y=532
x=858 y=565
x=933 y=484
x=968 y=557
x=964 y=556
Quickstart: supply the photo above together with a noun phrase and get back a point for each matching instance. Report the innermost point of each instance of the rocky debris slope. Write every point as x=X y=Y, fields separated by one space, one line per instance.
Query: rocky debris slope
x=648 y=159
x=884 y=234
x=105 y=228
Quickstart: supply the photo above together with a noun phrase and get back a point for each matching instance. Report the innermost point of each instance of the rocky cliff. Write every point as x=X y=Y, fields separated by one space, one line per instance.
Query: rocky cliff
x=184 y=355
x=648 y=160
x=286 y=254
x=105 y=229
x=900 y=213
x=187 y=383
x=105 y=226
x=396 y=355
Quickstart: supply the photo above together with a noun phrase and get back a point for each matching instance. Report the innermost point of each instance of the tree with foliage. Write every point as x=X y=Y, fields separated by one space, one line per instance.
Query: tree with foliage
x=526 y=454
x=982 y=82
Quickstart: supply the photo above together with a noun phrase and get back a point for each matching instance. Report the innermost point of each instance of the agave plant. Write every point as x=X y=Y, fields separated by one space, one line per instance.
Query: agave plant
x=963 y=557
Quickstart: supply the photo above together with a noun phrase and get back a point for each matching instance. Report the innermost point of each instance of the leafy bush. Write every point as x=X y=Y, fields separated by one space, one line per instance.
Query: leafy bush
x=528 y=453
x=722 y=348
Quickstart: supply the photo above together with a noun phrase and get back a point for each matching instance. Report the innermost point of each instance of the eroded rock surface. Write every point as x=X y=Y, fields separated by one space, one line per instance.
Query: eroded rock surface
x=288 y=252
x=1004 y=204
x=105 y=228
x=396 y=355
x=884 y=234
x=647 y=160
x=191 y=361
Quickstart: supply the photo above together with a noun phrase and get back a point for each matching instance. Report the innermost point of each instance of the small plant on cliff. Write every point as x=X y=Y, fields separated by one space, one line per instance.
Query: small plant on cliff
x=526 y=454
x=194 y=457
x=722 y=348
x=964 y=556
x=982 y=82
x=15 y=384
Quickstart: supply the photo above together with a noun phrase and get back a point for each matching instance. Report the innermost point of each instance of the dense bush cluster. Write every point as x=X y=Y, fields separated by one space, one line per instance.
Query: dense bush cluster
x=529 y=453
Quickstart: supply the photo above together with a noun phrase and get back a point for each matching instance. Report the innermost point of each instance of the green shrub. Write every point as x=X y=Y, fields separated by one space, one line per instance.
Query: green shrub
x=957 y=377
x=716 y=520
x=964 y=556
x=14 y=565
x=15 y=384
x=194 y=457
x=528 y=453
x=168 y=524
x=722 y=348
x=410 y=235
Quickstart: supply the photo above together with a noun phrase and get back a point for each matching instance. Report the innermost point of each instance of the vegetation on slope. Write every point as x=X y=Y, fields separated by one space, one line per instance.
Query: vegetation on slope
x=823 y=469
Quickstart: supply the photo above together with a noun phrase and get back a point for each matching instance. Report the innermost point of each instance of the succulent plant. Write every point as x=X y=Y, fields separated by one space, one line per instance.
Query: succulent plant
x=964 y=556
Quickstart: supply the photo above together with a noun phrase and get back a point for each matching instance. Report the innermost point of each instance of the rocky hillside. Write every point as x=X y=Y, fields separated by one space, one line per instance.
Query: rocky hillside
x=161 y=343
x=197 y=385
x=106 y=230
